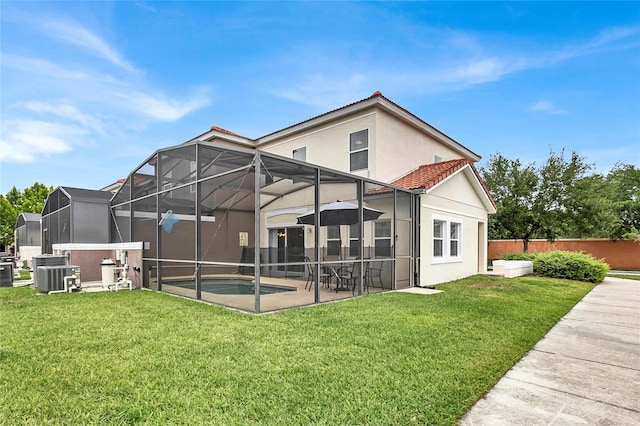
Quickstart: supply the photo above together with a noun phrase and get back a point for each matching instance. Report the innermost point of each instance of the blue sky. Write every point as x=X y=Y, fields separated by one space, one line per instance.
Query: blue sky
x=89 y=90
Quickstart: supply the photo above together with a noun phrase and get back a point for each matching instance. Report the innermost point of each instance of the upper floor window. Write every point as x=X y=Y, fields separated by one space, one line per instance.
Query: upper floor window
x=300 y=154
x=359 y=150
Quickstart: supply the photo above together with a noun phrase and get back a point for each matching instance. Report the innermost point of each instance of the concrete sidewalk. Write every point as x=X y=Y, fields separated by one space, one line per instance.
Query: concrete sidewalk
x=585 y=371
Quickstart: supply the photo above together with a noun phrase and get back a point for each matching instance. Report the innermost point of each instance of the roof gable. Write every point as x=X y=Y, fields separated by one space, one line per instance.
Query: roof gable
x=376 y=100
x=429 y=176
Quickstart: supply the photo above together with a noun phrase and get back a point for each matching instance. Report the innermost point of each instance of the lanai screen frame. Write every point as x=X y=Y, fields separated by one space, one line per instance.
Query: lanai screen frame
x=147 y=186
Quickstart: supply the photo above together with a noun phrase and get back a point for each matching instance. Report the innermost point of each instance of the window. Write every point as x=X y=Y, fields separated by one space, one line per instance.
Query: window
x=359 y=150
x=300 y=154
x=454 y=239
x=382 y=238
x=438 y=238
x=447 y=239
x=354 y=241
x=333 y=241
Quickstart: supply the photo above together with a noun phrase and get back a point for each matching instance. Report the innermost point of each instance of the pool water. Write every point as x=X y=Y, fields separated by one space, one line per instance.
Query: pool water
x=237 y=286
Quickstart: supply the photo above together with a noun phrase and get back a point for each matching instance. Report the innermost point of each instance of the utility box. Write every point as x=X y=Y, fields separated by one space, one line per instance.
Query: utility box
x=6 y=274
x=51 y=278
x=46 y=260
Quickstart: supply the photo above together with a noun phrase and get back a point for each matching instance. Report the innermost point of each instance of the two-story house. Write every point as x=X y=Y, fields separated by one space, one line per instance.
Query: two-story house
x=219 y=216
x=376 y=138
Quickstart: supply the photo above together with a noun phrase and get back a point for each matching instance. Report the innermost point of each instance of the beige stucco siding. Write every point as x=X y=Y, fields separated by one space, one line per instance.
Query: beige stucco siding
x=328 y=145
x=401 y=148
x=453 y=201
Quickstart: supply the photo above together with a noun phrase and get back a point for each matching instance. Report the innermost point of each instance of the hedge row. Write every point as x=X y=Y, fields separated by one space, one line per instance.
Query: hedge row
x=564 y=264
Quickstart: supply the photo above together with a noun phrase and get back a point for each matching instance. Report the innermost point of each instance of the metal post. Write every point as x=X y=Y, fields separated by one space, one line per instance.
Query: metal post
x=158 y=218
x=316 y=237
x=256 y=229
x=198 y=247
x=360 y=188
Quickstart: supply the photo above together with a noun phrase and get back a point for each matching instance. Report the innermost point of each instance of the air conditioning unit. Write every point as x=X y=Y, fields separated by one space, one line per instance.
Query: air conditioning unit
x=46 y=260
x=51 y=278
x=6 y=274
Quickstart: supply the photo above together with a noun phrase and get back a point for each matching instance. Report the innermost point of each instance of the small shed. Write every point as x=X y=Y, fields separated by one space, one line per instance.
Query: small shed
x=27 y=230
x=27 y=236
x=74 y=215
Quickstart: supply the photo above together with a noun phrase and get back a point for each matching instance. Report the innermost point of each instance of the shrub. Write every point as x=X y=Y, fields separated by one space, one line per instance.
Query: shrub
x=518 y=256
x=570 y=265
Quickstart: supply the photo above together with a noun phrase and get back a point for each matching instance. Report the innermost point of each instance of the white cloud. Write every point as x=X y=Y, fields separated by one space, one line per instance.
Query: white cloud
x=75 y=34
x=158 y=107
x=26 y=141
x=326 y=92
x=69 y=96
x=547 y=107
x=467 y=61
x=63 y=110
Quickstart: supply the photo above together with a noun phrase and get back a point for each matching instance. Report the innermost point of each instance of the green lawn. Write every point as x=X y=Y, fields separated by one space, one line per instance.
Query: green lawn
x=388 y=359
x=625 y=276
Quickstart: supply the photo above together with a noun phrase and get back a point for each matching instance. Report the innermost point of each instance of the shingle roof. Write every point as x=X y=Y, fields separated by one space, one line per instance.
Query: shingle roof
x=429 y=175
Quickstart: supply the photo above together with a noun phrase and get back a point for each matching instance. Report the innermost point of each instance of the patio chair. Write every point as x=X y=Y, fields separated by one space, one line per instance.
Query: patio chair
x=374 y=270
x=353 y=276
x=324 y=277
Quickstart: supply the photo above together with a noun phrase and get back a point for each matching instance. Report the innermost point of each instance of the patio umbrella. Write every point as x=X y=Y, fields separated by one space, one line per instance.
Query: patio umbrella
x=339 y=213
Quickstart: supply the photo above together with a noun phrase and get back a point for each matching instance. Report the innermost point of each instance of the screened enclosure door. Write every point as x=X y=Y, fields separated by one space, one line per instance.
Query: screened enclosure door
x=287 y=244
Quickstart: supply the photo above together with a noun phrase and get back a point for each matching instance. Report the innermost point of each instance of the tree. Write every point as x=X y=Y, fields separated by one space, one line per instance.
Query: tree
x=8 y=218
x=512 y=186
x=34 y=197
x=550 y=201
x=16 y=202
x=623 y=193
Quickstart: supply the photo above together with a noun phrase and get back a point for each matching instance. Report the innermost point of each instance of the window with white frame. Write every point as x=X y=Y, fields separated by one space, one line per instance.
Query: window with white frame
x=354 y=241
x=359 y=150
x=447 y=239
x=300 y=154
x=333 y=240
x=382 y=238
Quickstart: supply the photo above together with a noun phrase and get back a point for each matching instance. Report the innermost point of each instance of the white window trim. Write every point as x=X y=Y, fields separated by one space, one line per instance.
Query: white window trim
x=446 y=239
x=377 y=238
x=360 y=150
x=298 y=152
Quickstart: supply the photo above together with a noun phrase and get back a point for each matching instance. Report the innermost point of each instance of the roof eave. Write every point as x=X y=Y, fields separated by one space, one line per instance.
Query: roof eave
x=319 y=120
x=212 y=135
x=382 y=102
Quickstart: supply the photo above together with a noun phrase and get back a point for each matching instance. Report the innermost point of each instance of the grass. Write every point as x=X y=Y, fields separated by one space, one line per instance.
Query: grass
x=23 y=274
x=625 y=276
x=146 y=357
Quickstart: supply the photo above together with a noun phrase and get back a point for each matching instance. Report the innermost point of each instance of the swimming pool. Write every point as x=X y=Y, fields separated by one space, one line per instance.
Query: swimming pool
x=237 y=286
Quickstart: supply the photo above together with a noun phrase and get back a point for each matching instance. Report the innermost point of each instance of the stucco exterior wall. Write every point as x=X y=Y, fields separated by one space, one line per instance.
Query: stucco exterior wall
x=328 y=145
x=401 y=148
x=454 y=200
